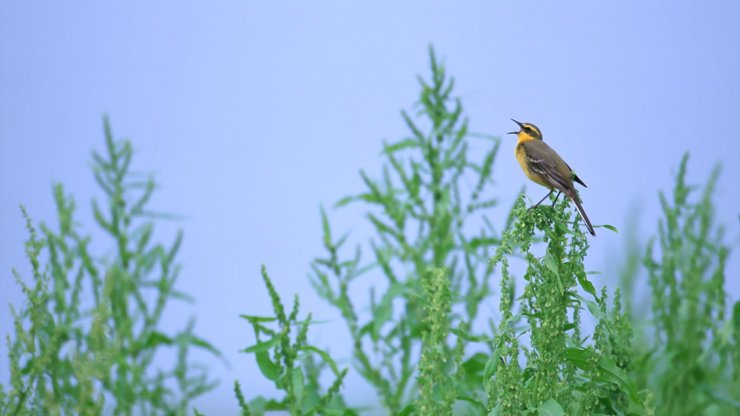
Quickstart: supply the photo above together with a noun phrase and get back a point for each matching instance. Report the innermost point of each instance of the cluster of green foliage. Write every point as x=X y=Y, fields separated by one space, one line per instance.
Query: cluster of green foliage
x=418 y=345
x=428 y=338
x=564 y=372
x=87 y=339
x=689 y=356
x=418 y=342
x=422 y=214
x=294 y=374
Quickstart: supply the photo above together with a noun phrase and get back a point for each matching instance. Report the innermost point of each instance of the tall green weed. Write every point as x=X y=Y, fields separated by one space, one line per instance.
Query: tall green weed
x=289 y=361
x=689 y=357
x=87 y=338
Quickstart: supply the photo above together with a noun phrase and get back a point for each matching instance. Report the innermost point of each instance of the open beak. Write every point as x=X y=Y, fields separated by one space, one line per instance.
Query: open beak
x=520 y=126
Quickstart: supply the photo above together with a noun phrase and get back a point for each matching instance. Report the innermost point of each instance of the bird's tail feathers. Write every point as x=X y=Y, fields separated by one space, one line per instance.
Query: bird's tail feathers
x=584 y=216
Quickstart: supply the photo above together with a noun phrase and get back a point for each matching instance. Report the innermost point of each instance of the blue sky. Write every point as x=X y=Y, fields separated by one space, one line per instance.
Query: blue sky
x=252 y=114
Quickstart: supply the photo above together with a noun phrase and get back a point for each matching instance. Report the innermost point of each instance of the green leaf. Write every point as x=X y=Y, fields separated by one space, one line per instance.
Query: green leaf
x=406 y=143
x=475 y=364
x=326 y=229
x=467 y=336
x=254 y=318
x=594 y=309
x=410 y=124
x=100 y=219
x=586 y=284
x=261 y=346
x=176 y=294
x=580 y=357
x=380 y=226
x=297 y=378
x=170 y=257
x=260 y=405
x=491 y=365
x=346 y=200
x=608 y=370
x=496 y=411
x=409 y=409
x=477 y=403
x=617 y=376
x=157 y=338
x=477 y=242
x=383 y=312
x=551 y=408
x=367 y=197
x=202 y=343
x=609 y=227
x=324 y=356
x=551 y=265
x=268 y=368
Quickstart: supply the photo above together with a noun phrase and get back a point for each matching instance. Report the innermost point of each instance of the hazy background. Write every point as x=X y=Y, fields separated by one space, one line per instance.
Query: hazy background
x=251 y=115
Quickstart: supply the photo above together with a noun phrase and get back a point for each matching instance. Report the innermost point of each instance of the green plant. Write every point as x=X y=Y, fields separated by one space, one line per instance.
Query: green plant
x=292 y=366
x=87 y=339
x=424 y=215
x=559 y=372
x=424 y=235
x=692 y=364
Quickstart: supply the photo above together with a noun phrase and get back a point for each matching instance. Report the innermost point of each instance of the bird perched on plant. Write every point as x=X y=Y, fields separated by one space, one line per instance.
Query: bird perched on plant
x=544 y=166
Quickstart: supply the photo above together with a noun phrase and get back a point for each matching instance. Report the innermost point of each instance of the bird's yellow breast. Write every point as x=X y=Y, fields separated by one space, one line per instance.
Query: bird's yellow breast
x=521 y=157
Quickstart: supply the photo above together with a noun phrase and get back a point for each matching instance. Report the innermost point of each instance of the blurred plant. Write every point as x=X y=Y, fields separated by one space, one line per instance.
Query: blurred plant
x=87 y=339
x=292 y=366
x=424 y=220
x=692 y=363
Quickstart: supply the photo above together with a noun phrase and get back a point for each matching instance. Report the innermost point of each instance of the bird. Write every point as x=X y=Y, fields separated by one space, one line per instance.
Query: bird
x=544 y=166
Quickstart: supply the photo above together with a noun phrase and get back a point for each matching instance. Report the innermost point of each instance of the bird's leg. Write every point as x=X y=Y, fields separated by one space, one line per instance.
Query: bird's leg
x=556 y=198
x=538 y=204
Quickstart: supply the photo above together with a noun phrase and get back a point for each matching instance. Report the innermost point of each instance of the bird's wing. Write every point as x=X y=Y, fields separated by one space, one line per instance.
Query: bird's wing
x=545 y=162
x=575 y=177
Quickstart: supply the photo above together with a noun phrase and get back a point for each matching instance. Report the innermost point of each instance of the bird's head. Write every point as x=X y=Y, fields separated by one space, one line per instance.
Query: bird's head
x=527 y=131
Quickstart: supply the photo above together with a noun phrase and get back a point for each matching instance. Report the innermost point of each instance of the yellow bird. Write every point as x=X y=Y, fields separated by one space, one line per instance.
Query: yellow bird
x=545 y=167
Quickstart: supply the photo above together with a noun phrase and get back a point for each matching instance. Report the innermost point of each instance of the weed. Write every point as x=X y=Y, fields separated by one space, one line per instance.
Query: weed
x=87 y=339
